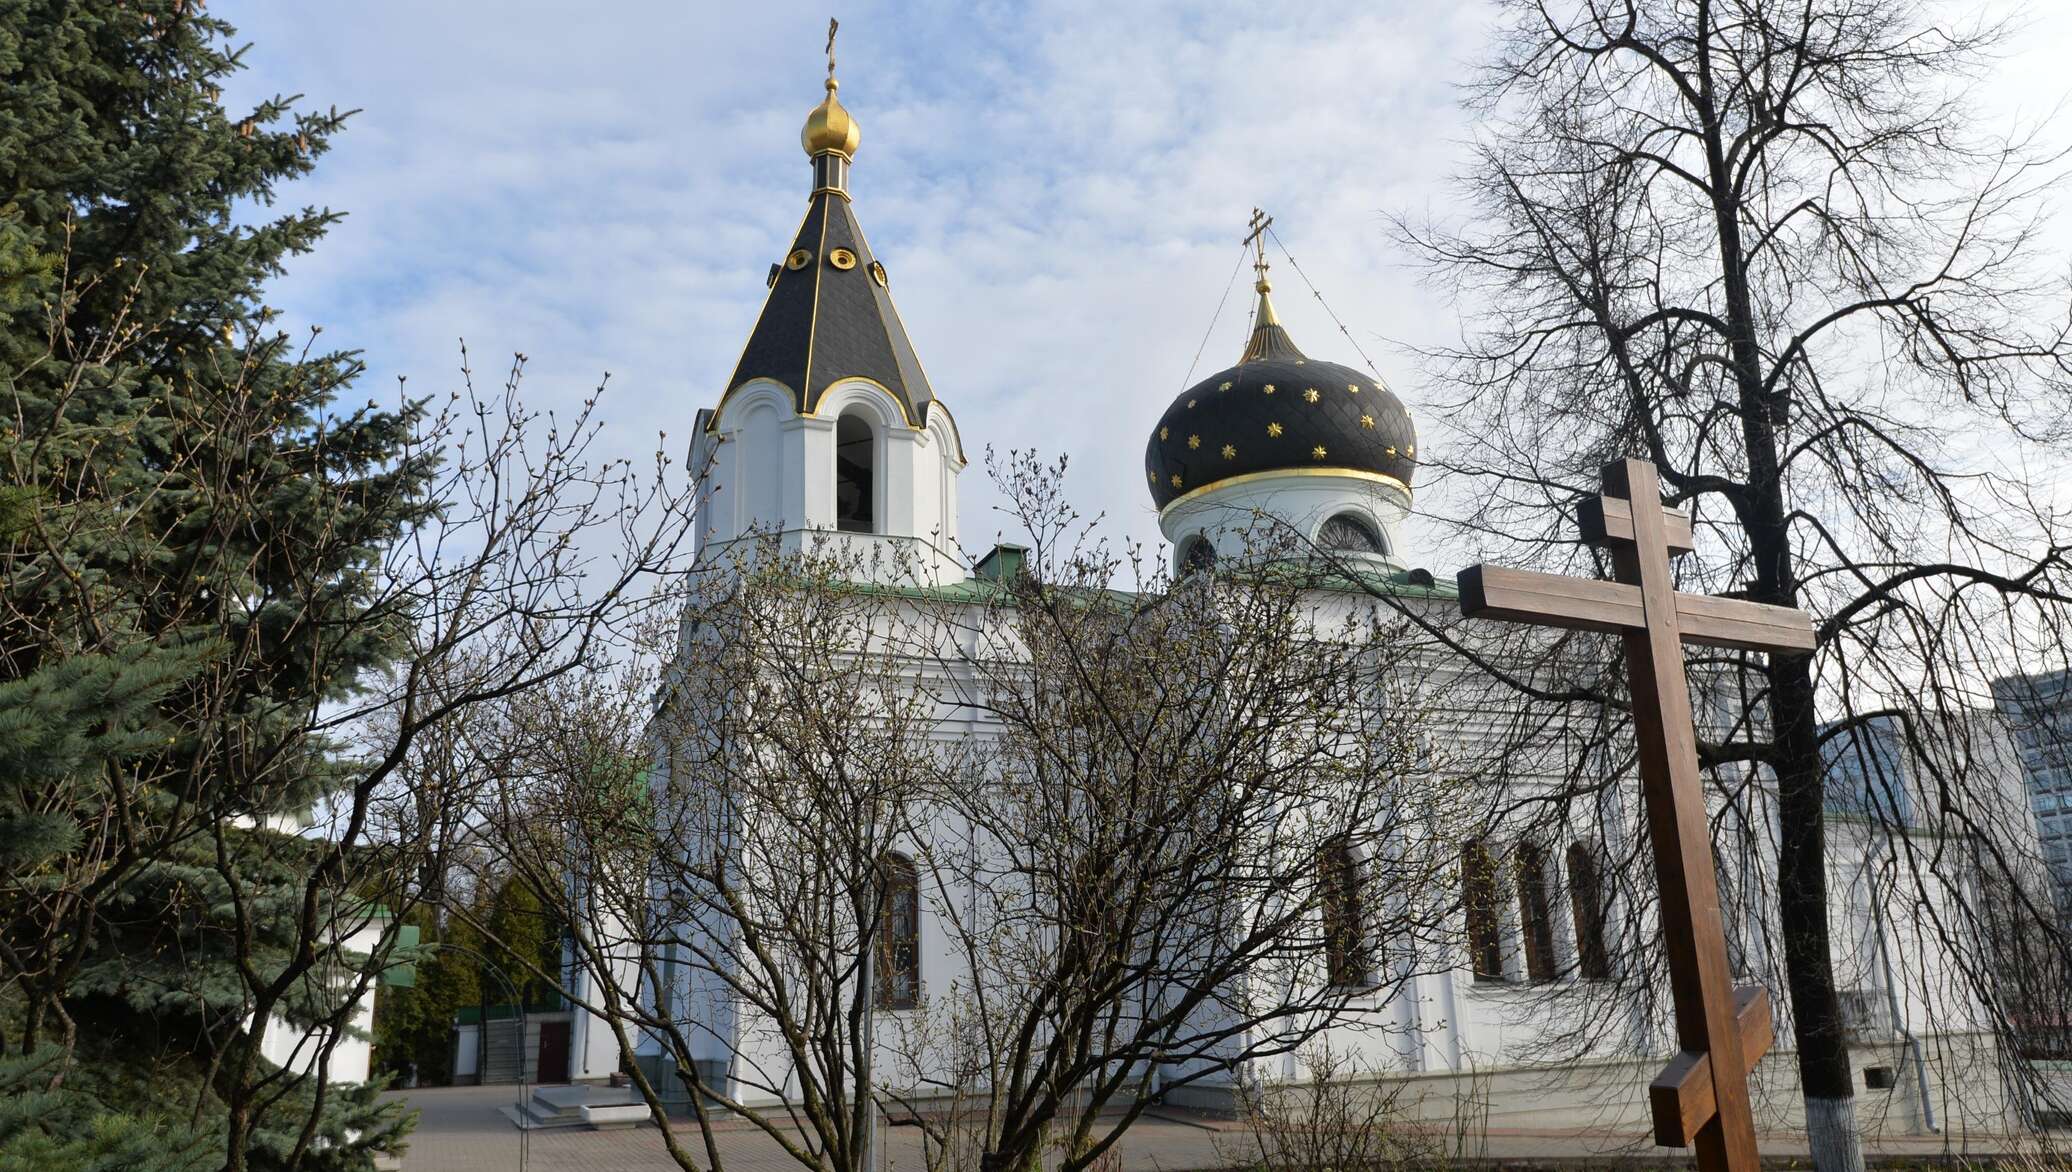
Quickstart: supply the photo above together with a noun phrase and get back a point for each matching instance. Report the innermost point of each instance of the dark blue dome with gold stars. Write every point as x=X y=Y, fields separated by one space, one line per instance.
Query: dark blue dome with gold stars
x=1277 y=410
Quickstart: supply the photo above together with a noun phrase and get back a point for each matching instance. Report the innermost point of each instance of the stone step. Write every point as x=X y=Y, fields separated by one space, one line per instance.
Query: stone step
x=577 y=1105
x=623 y=1115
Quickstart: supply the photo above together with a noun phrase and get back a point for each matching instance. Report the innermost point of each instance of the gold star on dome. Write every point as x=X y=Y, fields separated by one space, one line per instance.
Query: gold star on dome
x=1176 y=480
x=1352 y=388
x=1317 y=453
x=1229 y=451
x=1367 y=421
x=1151 y=476
x=1309 y=395
x=1224 y=387
x=1190 y=404
x=1274 y=430
x=1163 y=433
x=1268 y=388
x=1193 y=441
x=1392 y=453
x=1411 y=450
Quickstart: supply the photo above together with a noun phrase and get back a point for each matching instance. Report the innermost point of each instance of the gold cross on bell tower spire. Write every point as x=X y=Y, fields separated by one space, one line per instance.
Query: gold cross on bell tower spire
x=831 y=135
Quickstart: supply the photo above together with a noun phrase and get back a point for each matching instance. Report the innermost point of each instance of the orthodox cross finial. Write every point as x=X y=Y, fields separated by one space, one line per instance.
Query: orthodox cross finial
x=1267 y=335
x=830 y=130
x=1257 y=239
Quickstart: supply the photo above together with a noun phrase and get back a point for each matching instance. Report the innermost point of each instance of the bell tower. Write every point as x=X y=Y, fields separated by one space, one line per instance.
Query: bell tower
x=828 y=430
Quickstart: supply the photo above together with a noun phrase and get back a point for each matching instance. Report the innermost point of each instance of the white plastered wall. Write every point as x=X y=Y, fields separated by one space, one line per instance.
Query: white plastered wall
x=1230 y=514
x=766 y=470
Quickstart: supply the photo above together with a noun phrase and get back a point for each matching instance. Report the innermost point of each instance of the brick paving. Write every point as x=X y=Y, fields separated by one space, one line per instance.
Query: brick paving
x=462 y=1129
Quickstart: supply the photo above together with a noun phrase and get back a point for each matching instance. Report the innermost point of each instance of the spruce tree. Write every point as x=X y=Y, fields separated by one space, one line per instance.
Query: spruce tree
x=190 y=525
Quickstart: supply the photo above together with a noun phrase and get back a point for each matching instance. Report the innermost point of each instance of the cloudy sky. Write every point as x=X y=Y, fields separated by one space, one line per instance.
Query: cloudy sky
x=1057 y=189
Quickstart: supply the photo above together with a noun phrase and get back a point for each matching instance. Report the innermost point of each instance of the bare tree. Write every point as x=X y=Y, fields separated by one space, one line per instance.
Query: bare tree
x=1332 y=1119
x=1766 y=247
x=1006 y=858
x=1207 y=828
x=733 y=808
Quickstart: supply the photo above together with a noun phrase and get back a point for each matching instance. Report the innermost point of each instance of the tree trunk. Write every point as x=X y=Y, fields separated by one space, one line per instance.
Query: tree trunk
x=1802 y=908
x=1816 y=1009
x=1801 y=811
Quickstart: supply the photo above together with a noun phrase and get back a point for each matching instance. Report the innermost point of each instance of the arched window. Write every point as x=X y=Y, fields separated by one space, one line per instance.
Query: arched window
x=856 y=480
x=1349 y=533
x=1479 y=898
x=1347 y=962
x=1198 y=556
x=1586 y=901
x=1534 y=918
x=897 y=975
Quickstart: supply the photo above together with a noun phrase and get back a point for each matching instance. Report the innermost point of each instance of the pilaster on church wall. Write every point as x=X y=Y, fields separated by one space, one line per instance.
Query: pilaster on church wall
x=898 y=480
x=808 y=464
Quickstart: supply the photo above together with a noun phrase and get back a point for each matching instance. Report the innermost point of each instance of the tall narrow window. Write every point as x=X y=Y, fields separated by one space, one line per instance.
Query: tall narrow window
x=1479 y=898
x=898 y=969
x=1534 y=917
x=1586 y=901
x=1347 y=963
x=855 y=476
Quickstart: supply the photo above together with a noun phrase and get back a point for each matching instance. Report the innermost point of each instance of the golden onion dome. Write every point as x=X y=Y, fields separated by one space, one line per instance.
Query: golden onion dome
x=829 y=128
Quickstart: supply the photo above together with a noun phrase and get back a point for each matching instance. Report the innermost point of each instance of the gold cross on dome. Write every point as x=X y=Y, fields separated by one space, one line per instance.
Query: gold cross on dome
x=832 y=25
x=1256 y=239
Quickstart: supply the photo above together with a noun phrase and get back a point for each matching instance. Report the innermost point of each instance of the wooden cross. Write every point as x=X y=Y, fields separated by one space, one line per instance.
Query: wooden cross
x=1701 y=1097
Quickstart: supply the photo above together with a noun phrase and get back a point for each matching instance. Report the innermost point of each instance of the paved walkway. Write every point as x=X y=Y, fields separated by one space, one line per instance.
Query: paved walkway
x=462 y=1129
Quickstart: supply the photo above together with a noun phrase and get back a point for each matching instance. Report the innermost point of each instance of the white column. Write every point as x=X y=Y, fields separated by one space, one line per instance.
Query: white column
x=809 y=473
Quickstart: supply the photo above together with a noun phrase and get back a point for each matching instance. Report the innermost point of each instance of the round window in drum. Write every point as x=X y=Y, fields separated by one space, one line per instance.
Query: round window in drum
x=1346 y=533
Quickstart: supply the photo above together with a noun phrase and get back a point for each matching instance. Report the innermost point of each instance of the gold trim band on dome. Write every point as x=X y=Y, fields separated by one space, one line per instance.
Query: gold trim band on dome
x=1381 y=478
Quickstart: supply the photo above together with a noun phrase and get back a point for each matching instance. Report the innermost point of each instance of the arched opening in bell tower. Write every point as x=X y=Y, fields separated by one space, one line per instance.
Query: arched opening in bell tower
x=855 y=475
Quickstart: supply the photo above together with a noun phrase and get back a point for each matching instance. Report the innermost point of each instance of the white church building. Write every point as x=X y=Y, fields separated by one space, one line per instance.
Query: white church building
x=829 y=425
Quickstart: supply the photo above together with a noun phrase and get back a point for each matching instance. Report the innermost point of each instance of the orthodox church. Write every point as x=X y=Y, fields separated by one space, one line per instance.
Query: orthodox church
x=828 y=426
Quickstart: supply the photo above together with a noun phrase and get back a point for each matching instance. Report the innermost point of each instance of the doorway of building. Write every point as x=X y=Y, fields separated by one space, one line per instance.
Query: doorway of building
x=553 y=1052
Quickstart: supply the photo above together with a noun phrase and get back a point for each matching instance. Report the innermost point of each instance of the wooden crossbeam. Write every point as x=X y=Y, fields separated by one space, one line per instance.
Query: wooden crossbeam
x=1555 y=600
x=1605 y=519
x=1681 y=1097
x=1701 y=1099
